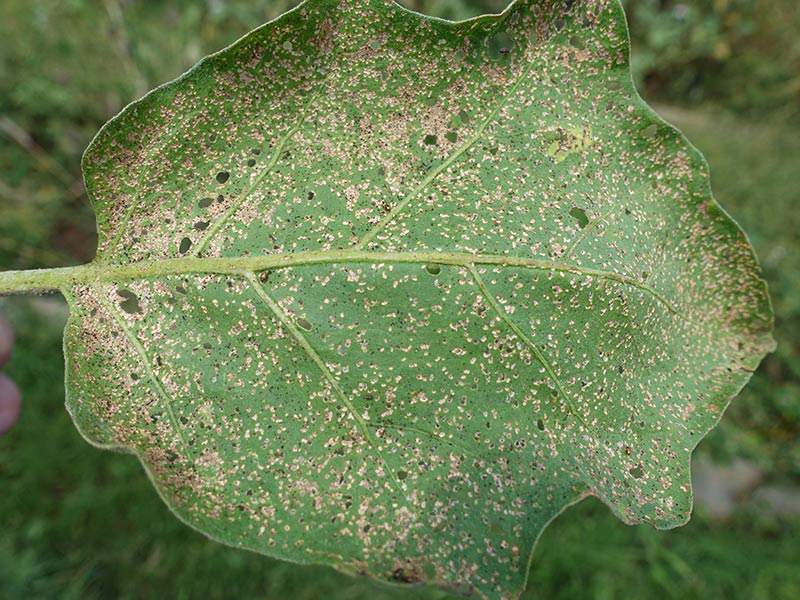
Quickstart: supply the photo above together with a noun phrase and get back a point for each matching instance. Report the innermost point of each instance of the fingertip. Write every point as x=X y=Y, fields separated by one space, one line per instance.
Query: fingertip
x=10 y=403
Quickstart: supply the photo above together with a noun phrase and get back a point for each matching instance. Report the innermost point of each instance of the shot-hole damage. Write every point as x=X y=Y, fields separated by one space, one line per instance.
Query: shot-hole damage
x=433 y=268
x=129 y=301
x=402 y=324
x=580 y=216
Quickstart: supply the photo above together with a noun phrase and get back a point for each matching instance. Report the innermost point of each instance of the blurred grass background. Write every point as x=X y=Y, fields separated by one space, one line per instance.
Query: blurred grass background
x=79 y=523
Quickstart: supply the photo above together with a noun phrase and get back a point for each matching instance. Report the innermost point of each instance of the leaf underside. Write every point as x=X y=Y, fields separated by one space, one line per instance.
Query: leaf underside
x=542 y=301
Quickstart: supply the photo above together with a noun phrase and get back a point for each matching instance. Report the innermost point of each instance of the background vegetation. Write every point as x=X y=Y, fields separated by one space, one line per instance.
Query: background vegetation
x=81 y=523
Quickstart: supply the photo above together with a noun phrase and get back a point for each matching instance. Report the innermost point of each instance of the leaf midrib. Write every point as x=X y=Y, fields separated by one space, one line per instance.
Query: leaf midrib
x=50 y=279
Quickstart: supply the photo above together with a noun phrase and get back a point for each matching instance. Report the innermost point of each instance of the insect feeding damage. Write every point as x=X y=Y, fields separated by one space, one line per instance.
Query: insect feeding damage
x=388 y=293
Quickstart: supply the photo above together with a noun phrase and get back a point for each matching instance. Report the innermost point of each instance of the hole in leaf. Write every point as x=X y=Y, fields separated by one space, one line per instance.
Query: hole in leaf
x=433 y=269
x=304 y=324
x=650 y=131
x=201 y=225
x=186 y=243
x=130 y=302
x=251 y=162
x=451 y=136
x=580 y=216
x=637 y=472
x=205 y=202
x=401 y=474
x=540 y=424
x=430 y=139
x=223 y=176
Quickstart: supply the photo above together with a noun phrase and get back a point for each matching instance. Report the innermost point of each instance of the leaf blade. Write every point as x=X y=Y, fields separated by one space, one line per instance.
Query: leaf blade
x=429 y=422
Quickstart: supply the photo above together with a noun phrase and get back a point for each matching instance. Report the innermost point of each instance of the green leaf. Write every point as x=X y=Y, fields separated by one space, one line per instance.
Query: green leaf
x=388 y=293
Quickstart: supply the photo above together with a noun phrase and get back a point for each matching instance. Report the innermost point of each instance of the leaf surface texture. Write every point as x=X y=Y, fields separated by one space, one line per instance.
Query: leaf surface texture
x=388 y=293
